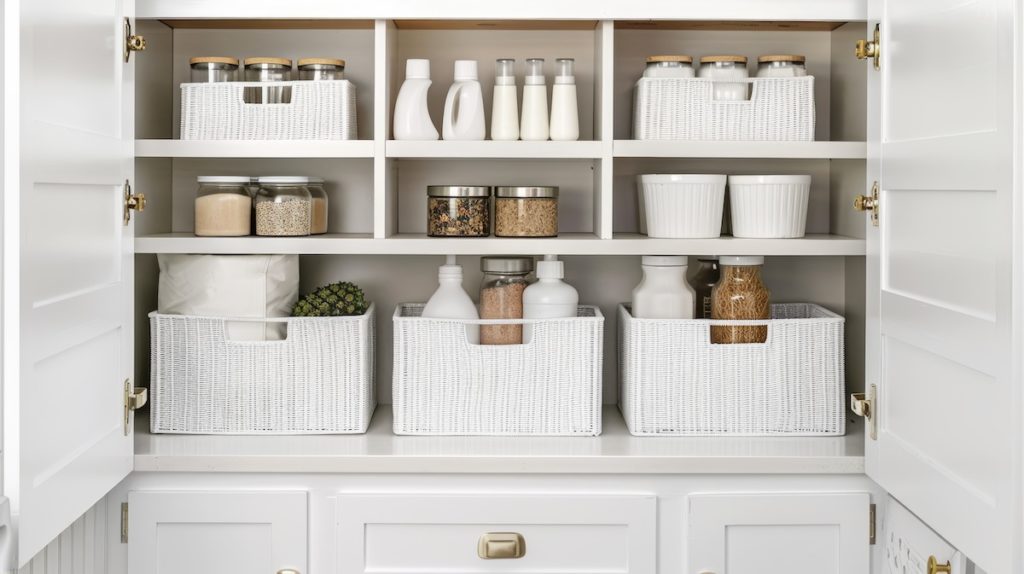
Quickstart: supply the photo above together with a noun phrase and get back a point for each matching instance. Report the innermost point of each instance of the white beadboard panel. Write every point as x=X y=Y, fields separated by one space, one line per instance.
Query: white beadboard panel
x=81 y=549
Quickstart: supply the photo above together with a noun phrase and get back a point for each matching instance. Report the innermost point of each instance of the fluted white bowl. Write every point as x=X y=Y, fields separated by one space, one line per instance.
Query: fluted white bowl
x=682 y=206
x=769 y=206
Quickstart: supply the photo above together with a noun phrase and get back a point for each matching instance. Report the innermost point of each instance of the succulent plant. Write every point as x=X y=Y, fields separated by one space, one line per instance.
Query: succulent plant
x=334 y=300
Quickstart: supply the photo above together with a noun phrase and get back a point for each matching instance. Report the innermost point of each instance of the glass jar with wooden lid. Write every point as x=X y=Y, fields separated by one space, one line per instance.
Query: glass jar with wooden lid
x=669 y=67
x=266 y=69
x=726 y=67
x=781 y=66
x=321 y=69
x=212 y=69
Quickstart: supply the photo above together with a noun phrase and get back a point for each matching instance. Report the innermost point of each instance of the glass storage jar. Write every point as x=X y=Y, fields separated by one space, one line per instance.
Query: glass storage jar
x=703 y=281
x=318 y=207
x=740 y=295
x=781 y=66
x=321 y=69
x=223 y=206
x=211 y=69
x=501 y=297
x=669 y=67
x=268 y=70
x=726 y=68
x=283 y=206
x=526 y=211
x=458 y=210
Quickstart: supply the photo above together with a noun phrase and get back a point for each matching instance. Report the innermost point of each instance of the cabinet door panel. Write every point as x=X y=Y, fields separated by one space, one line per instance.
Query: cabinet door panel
x=907 y=544
x=216 y=532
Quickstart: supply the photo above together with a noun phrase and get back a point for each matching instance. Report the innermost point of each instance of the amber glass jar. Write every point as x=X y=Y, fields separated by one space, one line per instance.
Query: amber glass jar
x=740 y=295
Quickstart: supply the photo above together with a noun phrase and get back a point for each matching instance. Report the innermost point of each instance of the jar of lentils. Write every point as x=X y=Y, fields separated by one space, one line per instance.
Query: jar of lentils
x=321 y=69
x=458 y=210
x=283 y=206
x=526 y=211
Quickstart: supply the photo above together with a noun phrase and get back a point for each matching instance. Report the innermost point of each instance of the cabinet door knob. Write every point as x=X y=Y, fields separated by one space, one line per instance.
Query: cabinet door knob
x=501 y=546
x=935 y=568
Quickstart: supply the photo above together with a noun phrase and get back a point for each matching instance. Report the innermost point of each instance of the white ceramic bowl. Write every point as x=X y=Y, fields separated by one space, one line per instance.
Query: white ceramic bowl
x=769 y=206
x=682 y=206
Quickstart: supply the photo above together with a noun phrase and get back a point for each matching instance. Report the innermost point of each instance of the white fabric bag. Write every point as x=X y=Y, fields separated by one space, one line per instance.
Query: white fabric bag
x=242 y=286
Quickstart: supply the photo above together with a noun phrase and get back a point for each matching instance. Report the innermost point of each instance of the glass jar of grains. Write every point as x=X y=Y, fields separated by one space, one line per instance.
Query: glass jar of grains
x=268 y=70
x=223 y=206
x=781 y=66
x=458 y=210
x=526 y=211
x=501 y=297
x=726 y=68
x=318 y=209
x=321 y=69
x=740 y=295
x=210 y=69
x=283 y=206
x=669 y=67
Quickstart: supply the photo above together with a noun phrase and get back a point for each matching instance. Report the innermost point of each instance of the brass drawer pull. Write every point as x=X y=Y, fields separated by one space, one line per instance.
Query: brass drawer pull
x=501 y=546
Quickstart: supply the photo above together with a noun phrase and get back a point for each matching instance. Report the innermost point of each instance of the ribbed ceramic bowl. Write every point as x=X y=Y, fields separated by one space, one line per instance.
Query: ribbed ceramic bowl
x=682 y=206
x=769 y=206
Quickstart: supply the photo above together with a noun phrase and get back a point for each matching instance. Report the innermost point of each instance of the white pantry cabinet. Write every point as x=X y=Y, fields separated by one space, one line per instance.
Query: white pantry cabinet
x=933 y=294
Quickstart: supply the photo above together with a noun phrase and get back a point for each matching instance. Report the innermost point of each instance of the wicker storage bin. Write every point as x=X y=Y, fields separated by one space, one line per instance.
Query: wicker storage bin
x=320 y=110
x=319 y=380
x=779 y=109
x=444 y=385
x=674 y=381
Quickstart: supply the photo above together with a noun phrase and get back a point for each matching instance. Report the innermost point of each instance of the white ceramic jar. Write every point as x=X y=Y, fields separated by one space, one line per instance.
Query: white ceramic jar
x=726 y=67
x=663 y=293
x=781 y=66
x=669 y=67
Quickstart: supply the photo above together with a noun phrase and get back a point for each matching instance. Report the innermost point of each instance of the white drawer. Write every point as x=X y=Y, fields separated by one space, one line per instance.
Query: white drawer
x=412 y=534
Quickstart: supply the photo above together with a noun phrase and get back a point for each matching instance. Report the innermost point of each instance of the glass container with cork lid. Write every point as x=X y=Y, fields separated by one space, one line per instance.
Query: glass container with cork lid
x=263 y=69
x=781 y=66
x=669 y=67
x=213 y=69
x=321 y=69
x=726 y=67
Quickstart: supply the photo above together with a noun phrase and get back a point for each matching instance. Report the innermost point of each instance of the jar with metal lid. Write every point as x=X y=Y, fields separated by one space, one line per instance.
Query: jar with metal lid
x=321 y=69
x=458 y=210
x=318 y=208
x=669 y=67
x=268 y=70
x=526 y=211
x=781 y=66
x=740 y=295
x=211 y=69
x=726 y=68
x=501 y=297
x=283 y=206
x=703 y=281
x=223 y=206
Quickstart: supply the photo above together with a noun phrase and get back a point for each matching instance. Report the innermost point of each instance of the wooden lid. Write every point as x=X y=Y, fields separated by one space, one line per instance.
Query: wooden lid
x=214 y=60
x=321 y=61
x=684 y=59
x=782 y=58
x=260 y=60
x=725 y=58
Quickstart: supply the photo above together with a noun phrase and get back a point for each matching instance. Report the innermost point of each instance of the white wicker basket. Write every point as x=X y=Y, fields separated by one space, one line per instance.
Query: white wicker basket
x=319 y=380
x=319 y=110
x=444 y=385
x=779 y=109
x=674 y=381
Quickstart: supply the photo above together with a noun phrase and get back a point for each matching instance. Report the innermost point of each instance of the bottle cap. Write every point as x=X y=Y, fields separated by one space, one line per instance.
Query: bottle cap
x=465 y=70
x=663 y=261
x=564 y=71
x=449 y=270
x=550 y=268
x=741 y=260
x=417 y=69
x=534 y=71
x=514 y=265
x=505 y=72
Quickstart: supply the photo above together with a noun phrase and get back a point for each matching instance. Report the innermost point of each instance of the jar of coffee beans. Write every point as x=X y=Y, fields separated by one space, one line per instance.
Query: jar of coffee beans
x=283 y=206
x=740 y=295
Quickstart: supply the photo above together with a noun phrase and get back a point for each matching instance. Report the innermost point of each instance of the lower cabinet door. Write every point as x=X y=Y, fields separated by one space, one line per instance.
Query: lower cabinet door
x=216 y=532
x=470 y=534
x=785 y=533
x=909 y=544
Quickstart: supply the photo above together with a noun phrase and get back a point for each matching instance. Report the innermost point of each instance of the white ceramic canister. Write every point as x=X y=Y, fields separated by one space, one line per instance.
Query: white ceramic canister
x=727 y=67
x=769 y=206
x=682 y=206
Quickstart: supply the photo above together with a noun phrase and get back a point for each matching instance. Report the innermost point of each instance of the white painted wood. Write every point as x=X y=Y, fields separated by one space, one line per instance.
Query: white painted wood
x=73 y=308
x=86 y=537
x=216 y=532
x=254 y=149
x=781 y=533
x=948 y=395
x=416 y=533
x=725 y=149
x=906 y=543
x=494 y=149
x=604 y=56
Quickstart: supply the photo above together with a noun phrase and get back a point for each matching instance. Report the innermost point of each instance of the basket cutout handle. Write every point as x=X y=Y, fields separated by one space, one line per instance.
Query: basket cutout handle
x=274 y=331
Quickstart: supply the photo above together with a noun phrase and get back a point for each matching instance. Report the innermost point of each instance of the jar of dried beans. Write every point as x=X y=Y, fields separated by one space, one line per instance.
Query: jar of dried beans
x=526 y=211
x=740 y=295
x=501 y=297
x=458 y=211
x=283 y=206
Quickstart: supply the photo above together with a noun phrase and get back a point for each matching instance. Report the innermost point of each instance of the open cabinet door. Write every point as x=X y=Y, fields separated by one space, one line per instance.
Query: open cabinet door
x=941 y=273
x=68 y=292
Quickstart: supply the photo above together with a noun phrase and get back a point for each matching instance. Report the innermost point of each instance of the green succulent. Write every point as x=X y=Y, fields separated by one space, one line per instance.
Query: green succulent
x=334 y=300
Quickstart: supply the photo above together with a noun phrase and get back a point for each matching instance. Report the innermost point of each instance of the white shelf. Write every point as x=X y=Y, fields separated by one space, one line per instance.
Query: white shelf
x=729 y=149
x=565 y=244
x=254 y=149
x=494 y=149
x=614 y=452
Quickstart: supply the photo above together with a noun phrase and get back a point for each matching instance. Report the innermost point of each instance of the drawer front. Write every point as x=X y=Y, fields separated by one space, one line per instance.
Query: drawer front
x=412 y=534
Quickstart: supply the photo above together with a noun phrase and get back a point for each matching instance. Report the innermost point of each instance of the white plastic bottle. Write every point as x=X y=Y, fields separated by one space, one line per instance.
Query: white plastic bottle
x=412 y=119
x=550 y=297
x=451 y=301
x=565 y=117
x=534 y=124
x=505 y=107
x=663 y=293
x=464 y=106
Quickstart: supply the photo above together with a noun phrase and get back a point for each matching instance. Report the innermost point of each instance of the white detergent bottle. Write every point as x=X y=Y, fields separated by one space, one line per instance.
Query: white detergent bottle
x=464 y=106
x=534 y=124
x=663 y=293
x=565 y=117
x=451 y=301
x=505 y=106
x=412 y=119
x=550 y=297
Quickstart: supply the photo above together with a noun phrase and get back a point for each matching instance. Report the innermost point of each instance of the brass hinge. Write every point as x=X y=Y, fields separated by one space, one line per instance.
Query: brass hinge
x=124 y=523
x=866 y=405
x=869 y=203
x=871 y=526
x=132 y=202
x=134 y=399
x=132 y=42
x=870 y=48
